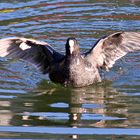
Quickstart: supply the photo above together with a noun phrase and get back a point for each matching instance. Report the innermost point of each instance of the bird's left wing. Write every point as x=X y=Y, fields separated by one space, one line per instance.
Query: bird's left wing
x=109 y=49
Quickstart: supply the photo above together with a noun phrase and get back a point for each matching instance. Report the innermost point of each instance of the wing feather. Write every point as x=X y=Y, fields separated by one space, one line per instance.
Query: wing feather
x=111 y=48
x=37 y=52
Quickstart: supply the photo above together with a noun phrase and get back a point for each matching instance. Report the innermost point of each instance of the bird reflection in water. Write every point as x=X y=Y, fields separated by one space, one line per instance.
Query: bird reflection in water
x=87 y=106
x=93 y=106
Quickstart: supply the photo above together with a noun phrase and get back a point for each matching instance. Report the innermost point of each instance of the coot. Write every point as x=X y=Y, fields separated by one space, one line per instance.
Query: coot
x=74 y=68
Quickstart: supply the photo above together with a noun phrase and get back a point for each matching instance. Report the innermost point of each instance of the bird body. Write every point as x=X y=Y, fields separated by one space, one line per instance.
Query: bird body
x=74 y=69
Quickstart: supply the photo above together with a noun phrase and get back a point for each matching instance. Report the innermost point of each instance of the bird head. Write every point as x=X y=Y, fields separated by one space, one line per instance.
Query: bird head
x=72 y=46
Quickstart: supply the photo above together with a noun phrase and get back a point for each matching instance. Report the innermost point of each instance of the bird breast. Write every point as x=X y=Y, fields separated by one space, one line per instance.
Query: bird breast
x=81 y=74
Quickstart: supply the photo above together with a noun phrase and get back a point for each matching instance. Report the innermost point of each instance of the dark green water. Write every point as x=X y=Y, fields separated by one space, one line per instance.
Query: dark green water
x=33 y=107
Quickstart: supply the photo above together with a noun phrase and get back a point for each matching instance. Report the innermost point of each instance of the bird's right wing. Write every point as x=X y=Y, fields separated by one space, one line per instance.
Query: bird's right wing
x=37 y=52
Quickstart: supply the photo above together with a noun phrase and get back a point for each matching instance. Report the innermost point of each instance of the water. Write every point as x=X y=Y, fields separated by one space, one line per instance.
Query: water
x=31 y=106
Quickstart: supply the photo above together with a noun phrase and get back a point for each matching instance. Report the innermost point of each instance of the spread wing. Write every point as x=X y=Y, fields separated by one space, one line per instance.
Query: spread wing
x=111 y=48
x=37 y=52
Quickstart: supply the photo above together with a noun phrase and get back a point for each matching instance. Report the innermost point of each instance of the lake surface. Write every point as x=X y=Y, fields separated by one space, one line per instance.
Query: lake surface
x=31 y=106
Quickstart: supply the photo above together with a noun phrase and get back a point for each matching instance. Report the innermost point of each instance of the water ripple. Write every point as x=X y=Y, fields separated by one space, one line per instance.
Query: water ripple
x=28 y=98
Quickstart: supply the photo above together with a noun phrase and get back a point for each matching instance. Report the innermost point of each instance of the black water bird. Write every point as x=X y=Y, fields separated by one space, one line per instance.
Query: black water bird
x=72 y=69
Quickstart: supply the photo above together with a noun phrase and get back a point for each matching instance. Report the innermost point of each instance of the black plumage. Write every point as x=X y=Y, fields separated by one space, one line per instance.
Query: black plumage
x=73 y=68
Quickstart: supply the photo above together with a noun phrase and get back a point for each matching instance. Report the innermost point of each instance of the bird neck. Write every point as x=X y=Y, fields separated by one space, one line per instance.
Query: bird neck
x=74 y=54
